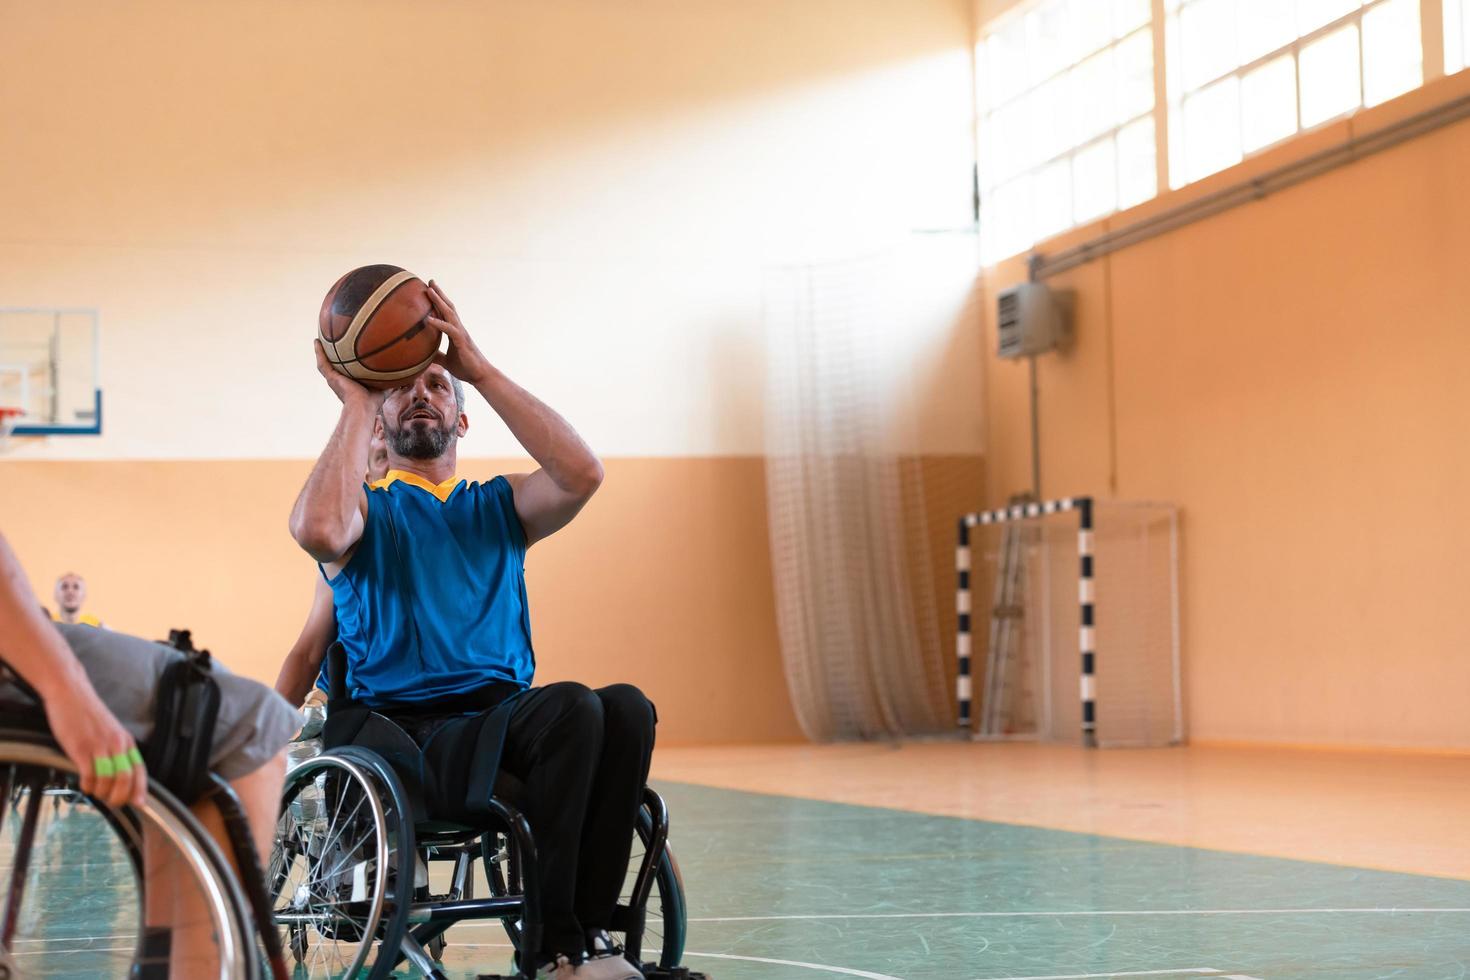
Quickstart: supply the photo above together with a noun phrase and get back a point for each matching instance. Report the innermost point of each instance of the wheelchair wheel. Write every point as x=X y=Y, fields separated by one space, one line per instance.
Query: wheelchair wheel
x=74 y=870
x=666 y=914
x=664 y=925
x=341 y=869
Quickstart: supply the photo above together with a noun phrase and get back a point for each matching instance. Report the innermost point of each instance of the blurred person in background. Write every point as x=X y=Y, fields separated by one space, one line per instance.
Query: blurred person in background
x=71 y=594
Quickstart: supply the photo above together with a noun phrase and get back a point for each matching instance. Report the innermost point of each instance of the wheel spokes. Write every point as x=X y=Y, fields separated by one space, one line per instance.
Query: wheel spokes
x=328 y=871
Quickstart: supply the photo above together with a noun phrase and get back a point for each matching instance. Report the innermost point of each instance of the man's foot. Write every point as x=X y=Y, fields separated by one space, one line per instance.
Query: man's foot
x=605 y=960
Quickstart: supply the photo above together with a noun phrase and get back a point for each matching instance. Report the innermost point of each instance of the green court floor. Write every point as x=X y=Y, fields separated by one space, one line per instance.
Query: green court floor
x=857 y=891
x=788 y=889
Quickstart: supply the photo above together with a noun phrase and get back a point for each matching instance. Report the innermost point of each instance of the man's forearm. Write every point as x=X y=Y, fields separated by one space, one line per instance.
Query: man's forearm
x=297 y=676
x=27 y=642
x=325 y=509
x=304 y=662
x=546 y=436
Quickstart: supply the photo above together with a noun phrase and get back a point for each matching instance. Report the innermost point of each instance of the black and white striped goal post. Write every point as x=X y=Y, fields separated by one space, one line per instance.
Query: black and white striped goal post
x=1086 y=595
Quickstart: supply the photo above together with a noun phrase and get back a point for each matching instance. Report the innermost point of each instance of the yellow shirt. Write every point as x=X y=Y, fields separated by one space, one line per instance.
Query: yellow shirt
x=85 y=619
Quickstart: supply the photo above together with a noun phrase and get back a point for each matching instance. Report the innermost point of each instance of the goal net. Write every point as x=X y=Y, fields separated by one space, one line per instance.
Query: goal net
x=1040 y=591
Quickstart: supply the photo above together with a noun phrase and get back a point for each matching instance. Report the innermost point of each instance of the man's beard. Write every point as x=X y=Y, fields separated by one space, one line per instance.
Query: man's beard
x=420 y=442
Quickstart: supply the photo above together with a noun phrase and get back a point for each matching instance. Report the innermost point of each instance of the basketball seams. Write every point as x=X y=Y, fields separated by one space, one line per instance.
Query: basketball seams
x=368 y=374
x=342 y=352
x=370 y=306
x=330 y=347
x=362 y=356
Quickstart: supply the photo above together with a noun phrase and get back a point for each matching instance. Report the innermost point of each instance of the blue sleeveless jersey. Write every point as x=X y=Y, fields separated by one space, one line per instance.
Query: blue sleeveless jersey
x=433 y=601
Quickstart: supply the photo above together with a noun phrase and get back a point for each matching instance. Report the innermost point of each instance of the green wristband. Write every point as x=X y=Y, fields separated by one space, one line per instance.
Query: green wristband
x=102 y=766
x=121 y=763
x=134 y=756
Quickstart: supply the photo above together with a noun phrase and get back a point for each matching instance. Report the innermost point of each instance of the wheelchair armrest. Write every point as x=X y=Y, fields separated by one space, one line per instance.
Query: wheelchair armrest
x=336 y=674
x=9 y=676
x=28 y=717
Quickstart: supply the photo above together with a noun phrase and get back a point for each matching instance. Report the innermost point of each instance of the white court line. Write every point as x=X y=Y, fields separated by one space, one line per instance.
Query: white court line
x=84 y=949
x=497 y=925
x=824 y=968
x=1136 y=973
x=1048 y=915
x=77 y=939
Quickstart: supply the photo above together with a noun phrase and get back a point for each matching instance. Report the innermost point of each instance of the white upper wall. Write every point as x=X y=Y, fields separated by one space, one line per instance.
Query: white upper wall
x=599 y=186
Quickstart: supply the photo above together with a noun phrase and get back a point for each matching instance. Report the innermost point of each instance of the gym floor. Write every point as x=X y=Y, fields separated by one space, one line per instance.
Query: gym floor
x=1158 y=863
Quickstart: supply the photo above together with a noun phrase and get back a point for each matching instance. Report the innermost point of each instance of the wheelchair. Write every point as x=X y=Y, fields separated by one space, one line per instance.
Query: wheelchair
x=350 y=873
x=90 y=918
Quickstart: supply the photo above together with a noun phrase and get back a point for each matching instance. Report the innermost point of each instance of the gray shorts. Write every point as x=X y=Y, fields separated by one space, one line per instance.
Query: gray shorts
x=254 y=722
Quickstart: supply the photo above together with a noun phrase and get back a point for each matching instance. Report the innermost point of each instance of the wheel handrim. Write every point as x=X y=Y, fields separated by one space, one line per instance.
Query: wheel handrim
x=168 y=821
x=661 y=941
x=329 y=867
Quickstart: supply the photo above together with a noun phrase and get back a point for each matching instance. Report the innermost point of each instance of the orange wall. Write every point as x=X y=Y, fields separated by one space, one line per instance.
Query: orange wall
x=602 y=187
x=664 y=580
x=1291 y=373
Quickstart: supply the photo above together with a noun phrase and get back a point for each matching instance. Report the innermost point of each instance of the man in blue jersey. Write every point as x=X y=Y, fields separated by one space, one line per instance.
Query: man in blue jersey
x=303 y=678
x=427 y=578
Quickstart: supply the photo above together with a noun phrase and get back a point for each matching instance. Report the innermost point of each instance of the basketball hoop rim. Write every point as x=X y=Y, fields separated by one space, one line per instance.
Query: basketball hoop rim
x=9 y=417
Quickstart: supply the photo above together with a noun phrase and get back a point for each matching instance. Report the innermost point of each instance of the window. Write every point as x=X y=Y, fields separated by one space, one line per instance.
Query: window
x=1244 y=74
x=1456 y=35
x=1066 y=96
x=1071 y=117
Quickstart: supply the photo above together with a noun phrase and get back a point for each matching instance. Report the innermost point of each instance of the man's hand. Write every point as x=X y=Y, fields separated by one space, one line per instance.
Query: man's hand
x=346 y=389
x=87 y=731
x=463 y=359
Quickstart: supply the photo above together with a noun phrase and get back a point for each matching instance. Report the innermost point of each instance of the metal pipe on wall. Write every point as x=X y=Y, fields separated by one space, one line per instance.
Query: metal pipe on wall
x=1042 y=266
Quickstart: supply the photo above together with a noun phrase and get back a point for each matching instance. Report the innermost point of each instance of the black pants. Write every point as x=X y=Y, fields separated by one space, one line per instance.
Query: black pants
x=583 y=756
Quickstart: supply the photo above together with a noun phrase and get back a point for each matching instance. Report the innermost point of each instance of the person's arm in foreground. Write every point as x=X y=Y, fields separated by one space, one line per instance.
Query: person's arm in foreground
x=569 y=473
x=80 y=722
x=304 y=662
x=328 y=518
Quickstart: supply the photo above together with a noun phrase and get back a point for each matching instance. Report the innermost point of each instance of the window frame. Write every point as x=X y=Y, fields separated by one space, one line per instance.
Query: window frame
x=1167 y=112
x=1353 y=17
x=1033 y=168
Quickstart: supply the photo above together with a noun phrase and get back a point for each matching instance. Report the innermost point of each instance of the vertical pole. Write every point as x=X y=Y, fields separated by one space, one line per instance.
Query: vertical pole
x=1033 y=267
x=962 y=635
x=1035 y=433
x=1086 y=595
x=54 y=369
x=1174 y=624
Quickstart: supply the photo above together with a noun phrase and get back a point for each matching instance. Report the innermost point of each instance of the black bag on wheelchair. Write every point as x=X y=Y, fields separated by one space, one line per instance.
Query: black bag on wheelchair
x=177 y=752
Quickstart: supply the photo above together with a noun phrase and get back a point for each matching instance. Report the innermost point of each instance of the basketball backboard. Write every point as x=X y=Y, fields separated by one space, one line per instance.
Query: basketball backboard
x=49 y=370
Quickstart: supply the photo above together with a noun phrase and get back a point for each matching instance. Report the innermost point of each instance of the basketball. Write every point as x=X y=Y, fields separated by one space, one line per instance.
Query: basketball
x=373 y=326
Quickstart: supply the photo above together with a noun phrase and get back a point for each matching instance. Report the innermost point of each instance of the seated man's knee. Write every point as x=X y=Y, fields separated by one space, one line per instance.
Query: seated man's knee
x=576 y=704
x=627 y=708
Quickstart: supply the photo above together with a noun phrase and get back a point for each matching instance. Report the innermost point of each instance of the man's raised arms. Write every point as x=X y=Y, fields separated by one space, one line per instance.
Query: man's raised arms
x=327 y=520
x=547 y=499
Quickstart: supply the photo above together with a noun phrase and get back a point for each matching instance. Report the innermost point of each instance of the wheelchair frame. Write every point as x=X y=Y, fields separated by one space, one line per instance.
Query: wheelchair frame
x=414 y=923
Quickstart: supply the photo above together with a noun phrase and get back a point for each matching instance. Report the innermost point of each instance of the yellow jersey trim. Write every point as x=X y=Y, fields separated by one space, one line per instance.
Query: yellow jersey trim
x=84 y=619
x=440 y=490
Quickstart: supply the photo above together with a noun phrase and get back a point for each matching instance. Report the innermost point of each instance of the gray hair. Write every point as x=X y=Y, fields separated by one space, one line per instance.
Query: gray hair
x=458 y=387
